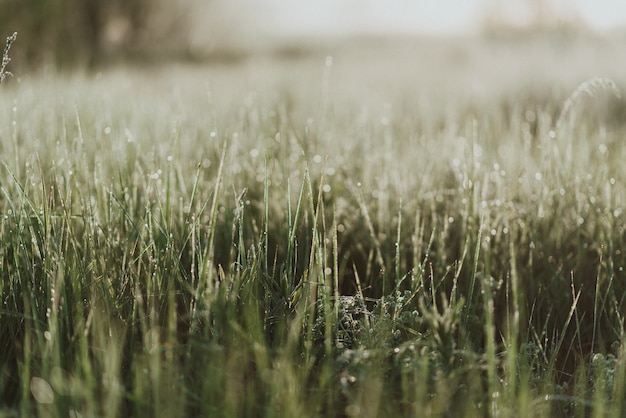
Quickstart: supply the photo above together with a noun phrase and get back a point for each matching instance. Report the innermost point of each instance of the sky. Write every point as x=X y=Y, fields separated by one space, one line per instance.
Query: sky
x=297 y=17
x=603 y=13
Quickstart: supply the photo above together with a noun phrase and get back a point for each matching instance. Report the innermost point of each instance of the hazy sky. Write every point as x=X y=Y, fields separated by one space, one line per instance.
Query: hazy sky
x=439 y=16
x=603 y=12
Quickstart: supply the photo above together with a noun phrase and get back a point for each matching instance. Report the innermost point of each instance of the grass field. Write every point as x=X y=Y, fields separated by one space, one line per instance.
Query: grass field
x=409 y=228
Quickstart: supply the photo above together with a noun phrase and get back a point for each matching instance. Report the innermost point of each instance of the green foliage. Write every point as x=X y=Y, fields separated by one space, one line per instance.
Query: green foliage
x=284 y=252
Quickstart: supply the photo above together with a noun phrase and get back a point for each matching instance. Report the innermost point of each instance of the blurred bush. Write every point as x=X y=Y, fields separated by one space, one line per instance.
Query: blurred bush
x=91 y=32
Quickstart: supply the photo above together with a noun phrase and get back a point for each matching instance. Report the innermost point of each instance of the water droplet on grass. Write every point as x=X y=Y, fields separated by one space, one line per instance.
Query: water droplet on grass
x=41 y=390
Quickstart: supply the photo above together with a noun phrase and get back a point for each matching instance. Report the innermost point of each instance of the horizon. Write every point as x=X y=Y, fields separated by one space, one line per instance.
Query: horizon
x=328 y=18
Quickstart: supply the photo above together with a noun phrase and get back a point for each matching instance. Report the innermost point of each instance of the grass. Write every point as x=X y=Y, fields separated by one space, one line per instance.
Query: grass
x=269 y=240
x=5 y=57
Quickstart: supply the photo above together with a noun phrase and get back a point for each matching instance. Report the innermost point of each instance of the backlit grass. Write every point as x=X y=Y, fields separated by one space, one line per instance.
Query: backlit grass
x=271 y=240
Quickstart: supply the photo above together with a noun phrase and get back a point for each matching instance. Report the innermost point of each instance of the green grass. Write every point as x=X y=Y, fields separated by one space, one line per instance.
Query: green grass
x=276 y=239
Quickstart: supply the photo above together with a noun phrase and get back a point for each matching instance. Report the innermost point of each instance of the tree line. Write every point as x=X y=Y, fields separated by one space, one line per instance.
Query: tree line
x=90 y=32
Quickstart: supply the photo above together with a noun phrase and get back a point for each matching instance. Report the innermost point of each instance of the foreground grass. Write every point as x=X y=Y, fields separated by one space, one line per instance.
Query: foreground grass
x=280 y=249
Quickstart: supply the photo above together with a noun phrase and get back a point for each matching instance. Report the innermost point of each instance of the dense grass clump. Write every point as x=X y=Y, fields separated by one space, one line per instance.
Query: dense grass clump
x=273 y=248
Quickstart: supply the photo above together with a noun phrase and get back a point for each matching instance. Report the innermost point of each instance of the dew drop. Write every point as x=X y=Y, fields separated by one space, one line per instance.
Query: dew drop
x=41 y=390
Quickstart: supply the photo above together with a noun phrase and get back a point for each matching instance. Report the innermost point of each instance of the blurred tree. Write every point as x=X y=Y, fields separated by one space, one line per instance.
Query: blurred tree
x=530 y=17
x=89 y=32
x=541 y=13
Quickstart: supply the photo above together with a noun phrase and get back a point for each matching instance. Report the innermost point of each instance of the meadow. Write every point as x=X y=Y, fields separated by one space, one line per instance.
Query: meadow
x=378 y=228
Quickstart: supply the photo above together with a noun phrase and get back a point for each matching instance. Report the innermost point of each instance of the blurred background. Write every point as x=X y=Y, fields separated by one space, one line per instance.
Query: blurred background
x=93 y=33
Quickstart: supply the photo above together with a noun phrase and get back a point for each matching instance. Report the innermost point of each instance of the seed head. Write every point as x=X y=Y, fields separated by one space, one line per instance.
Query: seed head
x=5 y=57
